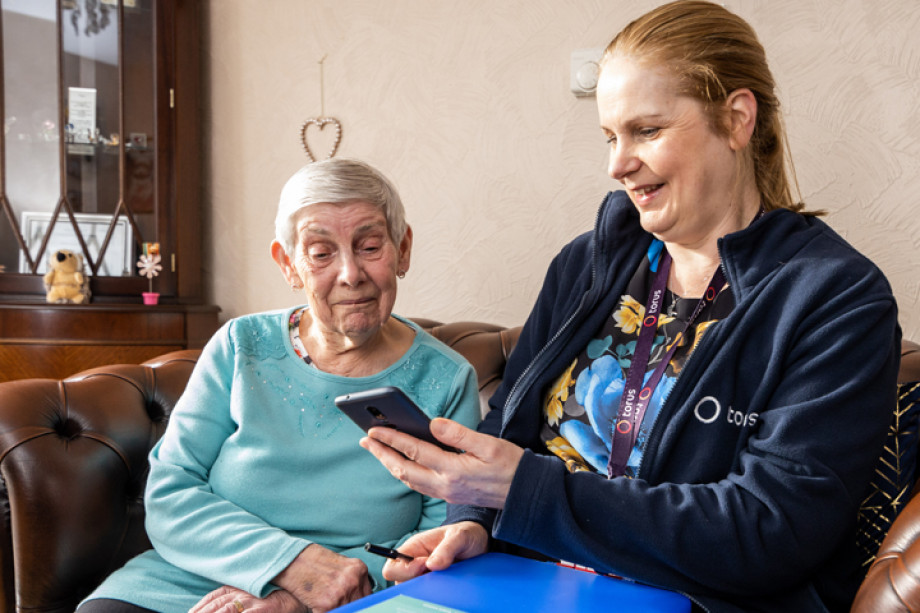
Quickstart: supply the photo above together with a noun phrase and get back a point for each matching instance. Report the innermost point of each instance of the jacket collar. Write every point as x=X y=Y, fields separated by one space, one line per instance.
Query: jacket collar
x=780 y=233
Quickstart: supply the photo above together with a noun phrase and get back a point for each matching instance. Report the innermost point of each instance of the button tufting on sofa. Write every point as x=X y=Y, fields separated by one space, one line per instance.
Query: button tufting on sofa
x=67 y=428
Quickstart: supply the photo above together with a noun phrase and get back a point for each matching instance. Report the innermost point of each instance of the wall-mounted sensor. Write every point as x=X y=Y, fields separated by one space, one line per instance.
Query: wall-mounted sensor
x=584 y=71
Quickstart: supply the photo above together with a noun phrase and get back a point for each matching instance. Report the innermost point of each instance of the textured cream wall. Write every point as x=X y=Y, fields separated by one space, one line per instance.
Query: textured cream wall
x=465 y=105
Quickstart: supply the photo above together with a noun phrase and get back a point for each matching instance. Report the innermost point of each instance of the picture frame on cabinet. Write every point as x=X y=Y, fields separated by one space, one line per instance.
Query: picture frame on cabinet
x=118 y=260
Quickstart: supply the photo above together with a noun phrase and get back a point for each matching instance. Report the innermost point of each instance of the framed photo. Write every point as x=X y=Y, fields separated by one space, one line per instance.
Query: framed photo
x=119 y=257
x=81 y=110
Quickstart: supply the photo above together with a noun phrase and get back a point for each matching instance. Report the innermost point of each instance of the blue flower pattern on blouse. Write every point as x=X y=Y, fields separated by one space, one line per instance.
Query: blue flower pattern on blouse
x=599 y=389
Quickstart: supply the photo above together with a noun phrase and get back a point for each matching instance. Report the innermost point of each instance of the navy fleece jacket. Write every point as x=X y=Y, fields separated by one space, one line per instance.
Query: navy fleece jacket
x=747 y=495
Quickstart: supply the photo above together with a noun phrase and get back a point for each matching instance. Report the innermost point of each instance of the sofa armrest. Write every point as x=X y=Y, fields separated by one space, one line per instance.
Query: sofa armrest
x=73 y=465
x=892 y=584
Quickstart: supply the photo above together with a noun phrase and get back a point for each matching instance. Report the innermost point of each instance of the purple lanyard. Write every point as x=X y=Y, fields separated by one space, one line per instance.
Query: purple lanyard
x=636 y=396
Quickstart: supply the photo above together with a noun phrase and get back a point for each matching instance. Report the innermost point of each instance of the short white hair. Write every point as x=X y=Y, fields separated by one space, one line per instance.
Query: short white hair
x=337 y=181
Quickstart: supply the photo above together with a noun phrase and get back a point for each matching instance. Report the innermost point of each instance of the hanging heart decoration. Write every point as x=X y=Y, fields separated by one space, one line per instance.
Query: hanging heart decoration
x=321 y=123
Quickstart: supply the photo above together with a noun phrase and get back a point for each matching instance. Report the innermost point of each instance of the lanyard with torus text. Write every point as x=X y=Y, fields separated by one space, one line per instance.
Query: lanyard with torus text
x=636 y=396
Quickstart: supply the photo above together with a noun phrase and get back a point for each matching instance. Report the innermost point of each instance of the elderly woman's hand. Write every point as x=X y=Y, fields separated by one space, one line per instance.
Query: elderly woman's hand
x=229 y=599
x=438 y=548
x=481 y=476
x=323 y=580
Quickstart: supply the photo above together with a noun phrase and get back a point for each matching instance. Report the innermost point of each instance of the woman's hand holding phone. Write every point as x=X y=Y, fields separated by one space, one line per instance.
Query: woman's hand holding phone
x=481 y=476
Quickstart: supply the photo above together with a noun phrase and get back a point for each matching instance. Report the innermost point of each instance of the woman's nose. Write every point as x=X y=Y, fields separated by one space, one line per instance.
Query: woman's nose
x=350 y=271
x=623 y=161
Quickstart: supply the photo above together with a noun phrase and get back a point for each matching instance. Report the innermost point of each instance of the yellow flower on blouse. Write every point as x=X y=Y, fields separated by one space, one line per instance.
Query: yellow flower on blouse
x=558 y=394
x=630 y=315
x=560 y=447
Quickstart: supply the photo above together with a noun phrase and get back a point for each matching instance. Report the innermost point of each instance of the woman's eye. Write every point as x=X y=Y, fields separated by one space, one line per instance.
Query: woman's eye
x=612 y=139
x=369 y=246
x=649 y=132
x=369 y=249
x=319 y=255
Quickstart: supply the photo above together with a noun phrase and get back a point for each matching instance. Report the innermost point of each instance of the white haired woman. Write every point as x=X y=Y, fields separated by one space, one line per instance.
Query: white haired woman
x=259 y=496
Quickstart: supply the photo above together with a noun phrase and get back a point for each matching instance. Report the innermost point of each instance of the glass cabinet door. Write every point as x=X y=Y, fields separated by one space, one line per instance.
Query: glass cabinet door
x=31 y=135
x=79 y=147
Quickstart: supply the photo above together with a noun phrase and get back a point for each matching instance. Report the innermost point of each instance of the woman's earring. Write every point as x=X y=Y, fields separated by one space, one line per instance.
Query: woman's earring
x=296 y=287
x=401 y=274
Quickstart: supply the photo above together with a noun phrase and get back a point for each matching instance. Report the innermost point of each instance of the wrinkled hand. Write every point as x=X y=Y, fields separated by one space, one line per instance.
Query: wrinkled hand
x=323 y=580
x=438 y=548
x=481 y=476
x=224 y=599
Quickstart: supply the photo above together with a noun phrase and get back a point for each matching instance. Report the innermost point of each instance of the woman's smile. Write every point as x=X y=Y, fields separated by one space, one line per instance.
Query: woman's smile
x=645 y=194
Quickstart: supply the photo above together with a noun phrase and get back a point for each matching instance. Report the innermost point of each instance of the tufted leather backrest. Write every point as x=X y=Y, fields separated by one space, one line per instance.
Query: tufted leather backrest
x=73 y=465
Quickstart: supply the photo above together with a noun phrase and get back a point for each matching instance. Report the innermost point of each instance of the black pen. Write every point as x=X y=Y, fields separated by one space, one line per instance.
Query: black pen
x=387 y=552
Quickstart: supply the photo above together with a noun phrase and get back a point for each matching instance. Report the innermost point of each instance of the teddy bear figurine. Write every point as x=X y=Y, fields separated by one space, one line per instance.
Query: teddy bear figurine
x=65 y=282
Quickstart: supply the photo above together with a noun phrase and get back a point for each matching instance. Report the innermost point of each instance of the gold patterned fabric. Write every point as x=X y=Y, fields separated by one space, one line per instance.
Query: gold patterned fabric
x=895 y=474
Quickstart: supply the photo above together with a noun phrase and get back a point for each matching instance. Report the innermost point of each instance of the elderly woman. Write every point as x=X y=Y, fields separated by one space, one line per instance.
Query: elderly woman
x=703 y=388
x=259 y=494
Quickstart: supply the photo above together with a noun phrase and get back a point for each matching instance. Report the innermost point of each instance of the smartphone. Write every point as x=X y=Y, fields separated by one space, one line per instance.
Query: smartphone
x=388 y=407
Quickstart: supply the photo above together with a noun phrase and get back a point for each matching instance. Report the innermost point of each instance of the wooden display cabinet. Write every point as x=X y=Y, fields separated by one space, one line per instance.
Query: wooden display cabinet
x=100 y=154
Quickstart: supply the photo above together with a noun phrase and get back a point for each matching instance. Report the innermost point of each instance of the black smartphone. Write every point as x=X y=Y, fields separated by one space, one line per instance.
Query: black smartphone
x=388 y=407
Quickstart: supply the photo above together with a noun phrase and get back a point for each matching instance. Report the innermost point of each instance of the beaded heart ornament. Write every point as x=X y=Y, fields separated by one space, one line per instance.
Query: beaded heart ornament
x=320 y=123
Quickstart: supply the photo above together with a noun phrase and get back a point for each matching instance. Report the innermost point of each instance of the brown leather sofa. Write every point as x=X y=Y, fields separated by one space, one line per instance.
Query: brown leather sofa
x=73 y=465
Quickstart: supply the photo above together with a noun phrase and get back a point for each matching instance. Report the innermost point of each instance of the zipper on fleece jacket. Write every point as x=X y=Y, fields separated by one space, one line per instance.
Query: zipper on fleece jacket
x=506 y=415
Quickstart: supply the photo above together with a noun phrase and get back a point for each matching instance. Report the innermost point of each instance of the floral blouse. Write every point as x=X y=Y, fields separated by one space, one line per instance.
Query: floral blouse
x=581 y=407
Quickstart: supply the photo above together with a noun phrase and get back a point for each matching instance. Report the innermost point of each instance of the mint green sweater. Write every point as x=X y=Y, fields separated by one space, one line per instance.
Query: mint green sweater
x=257 y=463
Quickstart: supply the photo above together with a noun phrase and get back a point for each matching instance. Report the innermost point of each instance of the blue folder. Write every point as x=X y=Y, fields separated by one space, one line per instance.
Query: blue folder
x=501 y=582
